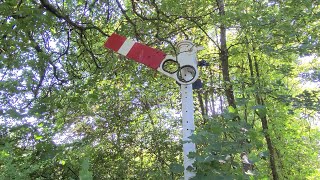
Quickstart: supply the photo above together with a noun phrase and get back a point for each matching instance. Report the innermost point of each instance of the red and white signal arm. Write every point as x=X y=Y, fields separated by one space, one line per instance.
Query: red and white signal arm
x=153 y=58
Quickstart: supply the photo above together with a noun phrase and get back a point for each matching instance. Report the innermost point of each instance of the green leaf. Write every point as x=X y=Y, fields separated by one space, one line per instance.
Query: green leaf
x=258 y=107
x=261 y=109
x=231 y=109
x=37 y=137
x=93 y=96
x=176 y=168
x=40 y=125
x=230 y=113
x=84 y=173
x=242 y=101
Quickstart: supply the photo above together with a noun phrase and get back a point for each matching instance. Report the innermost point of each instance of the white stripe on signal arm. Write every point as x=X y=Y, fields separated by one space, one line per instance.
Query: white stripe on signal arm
x=126 y=46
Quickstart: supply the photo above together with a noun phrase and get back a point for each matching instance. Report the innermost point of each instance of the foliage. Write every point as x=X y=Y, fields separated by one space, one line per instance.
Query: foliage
x=71 y=109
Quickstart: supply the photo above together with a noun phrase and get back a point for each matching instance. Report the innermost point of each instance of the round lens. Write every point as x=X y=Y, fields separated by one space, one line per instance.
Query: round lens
x=170 y=66
x=186 y=73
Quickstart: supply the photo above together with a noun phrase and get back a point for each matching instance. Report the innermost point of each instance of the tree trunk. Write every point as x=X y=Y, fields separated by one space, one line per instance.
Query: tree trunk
x=263 y=118
x=201 y=104
x=212 y=94
x=224 y=58
x=206 y=108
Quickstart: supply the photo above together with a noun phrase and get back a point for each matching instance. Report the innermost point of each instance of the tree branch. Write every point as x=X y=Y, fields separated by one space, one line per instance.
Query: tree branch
x=59 y=15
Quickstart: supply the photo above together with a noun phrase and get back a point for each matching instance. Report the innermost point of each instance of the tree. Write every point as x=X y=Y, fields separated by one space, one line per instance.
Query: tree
x=72 y=109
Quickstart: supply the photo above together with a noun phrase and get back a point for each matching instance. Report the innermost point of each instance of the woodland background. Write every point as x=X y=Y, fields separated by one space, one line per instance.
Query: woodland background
x=71 y=109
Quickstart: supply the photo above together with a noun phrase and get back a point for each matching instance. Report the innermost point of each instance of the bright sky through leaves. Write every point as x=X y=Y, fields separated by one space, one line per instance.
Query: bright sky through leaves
x=71 y=109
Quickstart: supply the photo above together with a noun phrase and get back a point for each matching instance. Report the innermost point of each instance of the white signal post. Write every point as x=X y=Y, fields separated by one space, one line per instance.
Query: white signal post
x=187 y=129
x=187 y=55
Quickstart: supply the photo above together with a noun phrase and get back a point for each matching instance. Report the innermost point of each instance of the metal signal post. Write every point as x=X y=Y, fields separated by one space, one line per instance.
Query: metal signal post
x=187 y=53
x=185 y=73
